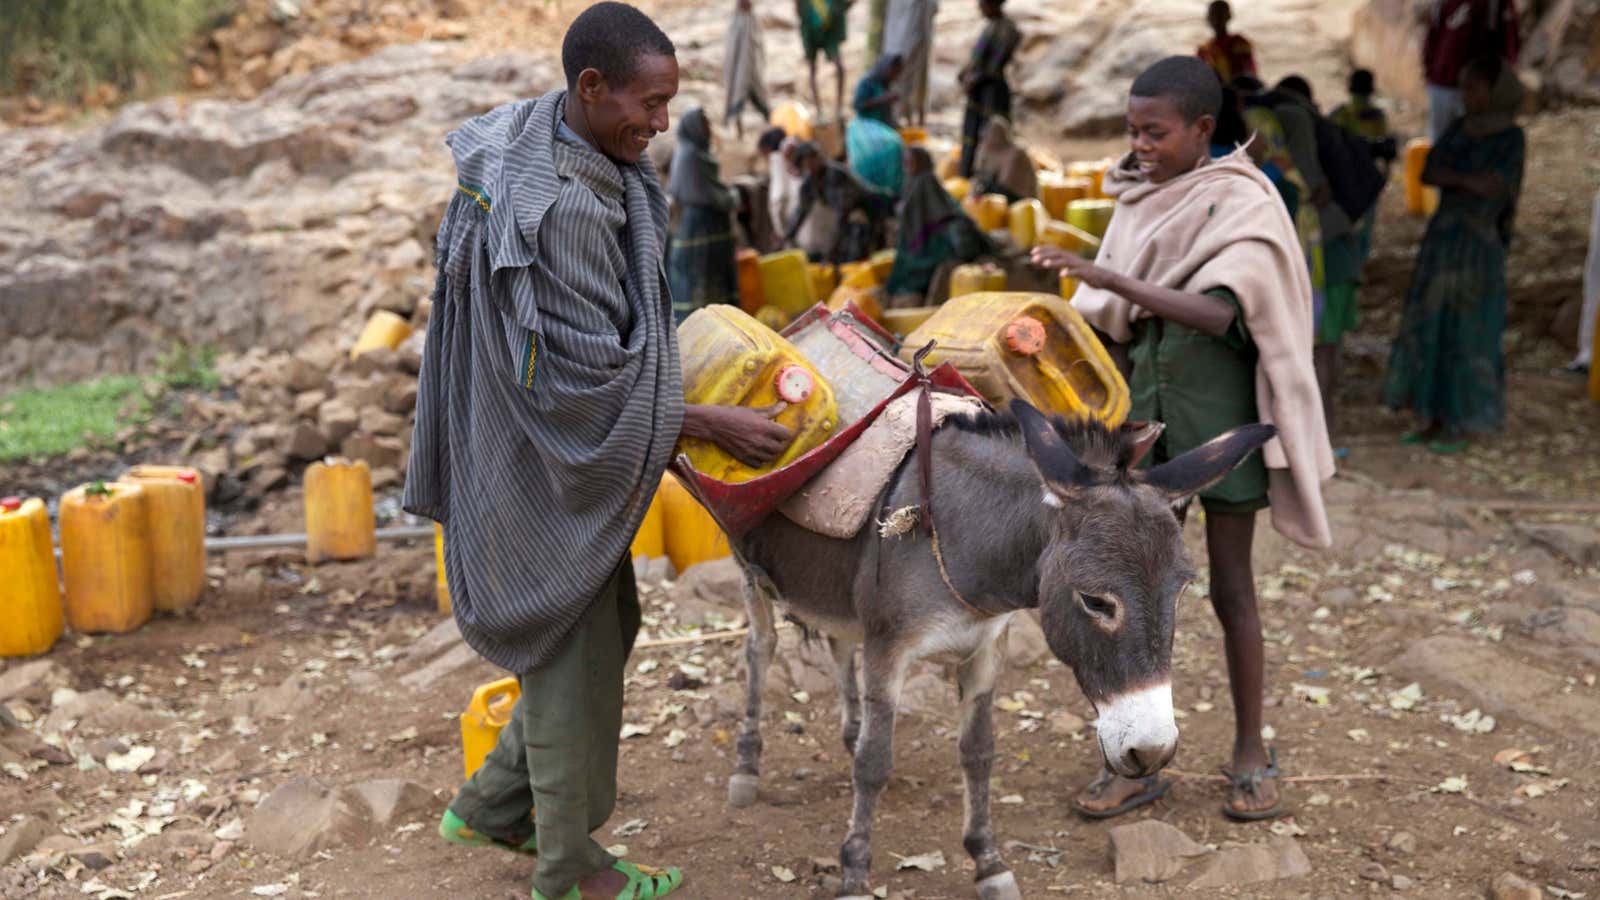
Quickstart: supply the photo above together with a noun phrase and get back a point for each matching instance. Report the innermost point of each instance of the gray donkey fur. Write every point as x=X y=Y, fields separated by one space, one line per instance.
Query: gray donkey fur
x=1029 y=513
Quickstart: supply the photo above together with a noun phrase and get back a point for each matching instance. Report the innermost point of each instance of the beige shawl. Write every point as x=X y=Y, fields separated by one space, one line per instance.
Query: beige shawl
x=1223 y=225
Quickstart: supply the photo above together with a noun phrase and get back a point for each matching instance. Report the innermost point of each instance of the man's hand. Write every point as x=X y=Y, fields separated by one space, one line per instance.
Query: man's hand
x=749 y=435
x=1050 y=257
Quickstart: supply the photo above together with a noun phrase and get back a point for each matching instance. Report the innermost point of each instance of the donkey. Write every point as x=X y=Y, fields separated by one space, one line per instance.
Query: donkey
x=1100 y=554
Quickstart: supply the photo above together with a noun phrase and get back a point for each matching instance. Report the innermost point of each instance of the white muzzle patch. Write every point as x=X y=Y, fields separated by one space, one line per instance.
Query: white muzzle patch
x=1139 y=720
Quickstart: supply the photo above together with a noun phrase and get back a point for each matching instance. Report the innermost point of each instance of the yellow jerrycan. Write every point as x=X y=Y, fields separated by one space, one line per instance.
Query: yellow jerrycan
x=175 y=502
x=441 y=585
x=786 y=282
x=1421 y=199
x=340 y=523
x=692 y=535
x=730 y=359
x=1026 y=219
x=958 y=188
x=488 y=712
x=1056 y=191
x=974 y=278
x=30 y=592
x=650 y=540
x=384 y=330
x=105 y=557
x=1091 y=216
x=990 y=211
x=1032 y=346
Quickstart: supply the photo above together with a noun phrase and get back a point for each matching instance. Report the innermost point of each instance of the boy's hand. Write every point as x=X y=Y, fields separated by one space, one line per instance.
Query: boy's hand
x=1485 y=184
x=1047 y=257
x=749 y=435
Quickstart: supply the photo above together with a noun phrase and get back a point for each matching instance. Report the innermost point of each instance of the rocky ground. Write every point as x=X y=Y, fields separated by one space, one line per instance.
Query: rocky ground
x=1431 y=679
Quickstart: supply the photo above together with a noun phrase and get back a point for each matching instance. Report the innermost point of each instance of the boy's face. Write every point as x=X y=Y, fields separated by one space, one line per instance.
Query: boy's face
x=1475 y=91
x=1218 y=15
x=1165 y=145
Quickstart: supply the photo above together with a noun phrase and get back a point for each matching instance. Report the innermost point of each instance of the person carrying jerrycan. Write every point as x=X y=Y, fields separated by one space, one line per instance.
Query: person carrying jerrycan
x=549 y=403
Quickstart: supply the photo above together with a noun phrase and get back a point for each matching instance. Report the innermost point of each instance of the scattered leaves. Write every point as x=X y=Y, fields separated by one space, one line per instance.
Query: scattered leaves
x=783 y=874
x=926 y=862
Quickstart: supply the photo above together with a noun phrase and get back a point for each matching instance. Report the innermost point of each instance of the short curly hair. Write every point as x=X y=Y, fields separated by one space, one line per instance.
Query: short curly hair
x=1188 y=82
x=611 y=38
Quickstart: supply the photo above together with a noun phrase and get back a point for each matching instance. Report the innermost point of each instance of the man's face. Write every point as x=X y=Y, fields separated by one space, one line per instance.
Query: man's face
x=622 y=120
x=1219 y=16
x=1163 y=143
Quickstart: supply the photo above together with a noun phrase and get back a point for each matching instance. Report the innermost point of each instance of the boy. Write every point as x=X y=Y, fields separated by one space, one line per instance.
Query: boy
x=1364 y=119
x=822 y=32
x=1230 y=55
x=1201 y=272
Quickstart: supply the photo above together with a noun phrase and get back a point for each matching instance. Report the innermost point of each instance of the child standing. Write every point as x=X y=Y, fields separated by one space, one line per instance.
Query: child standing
x=1229 y=55
x=1361 y=117
x=1202 y=274
x=1447 y=364
x=743 y=61
x=983 y=78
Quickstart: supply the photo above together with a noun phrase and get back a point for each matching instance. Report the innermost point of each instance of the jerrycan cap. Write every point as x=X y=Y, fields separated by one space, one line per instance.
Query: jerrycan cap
x=794 y=384
x=1024 y=336
x=187 y=476
x=10 y=504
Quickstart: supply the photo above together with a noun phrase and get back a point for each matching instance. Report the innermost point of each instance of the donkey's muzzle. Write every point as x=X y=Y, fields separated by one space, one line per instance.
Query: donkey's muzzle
x=1138 y=733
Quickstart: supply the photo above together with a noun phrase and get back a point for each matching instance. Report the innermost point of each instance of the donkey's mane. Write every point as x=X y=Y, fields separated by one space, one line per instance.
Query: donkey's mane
x=1091 y=441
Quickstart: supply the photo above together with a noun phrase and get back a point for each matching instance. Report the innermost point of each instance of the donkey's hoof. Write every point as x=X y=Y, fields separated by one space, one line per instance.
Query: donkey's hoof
x=1000 y=886
x=742 y=790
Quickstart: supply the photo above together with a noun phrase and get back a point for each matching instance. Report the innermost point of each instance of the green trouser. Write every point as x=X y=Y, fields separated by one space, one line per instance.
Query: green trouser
x=557 y=757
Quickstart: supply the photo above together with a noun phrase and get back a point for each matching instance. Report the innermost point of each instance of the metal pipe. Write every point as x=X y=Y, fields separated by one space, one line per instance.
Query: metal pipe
x=271 y=541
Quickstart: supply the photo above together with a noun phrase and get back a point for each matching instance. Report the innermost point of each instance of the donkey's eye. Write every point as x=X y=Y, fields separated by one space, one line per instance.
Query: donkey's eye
x=1108 y=608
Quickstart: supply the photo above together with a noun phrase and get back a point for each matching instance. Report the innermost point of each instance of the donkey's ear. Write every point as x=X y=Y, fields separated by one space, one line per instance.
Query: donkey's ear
x=1057 y=465
x=1206 y=464
x=1138 y=438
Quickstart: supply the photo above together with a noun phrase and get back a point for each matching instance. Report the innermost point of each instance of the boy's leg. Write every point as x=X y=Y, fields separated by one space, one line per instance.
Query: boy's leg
x=1229 y=536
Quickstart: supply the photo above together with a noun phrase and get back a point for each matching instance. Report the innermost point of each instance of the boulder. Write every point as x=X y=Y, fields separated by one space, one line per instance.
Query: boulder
x=379 y=452
x=1496 y=682
x=32 y=680
x=375 y=421
x=21 y=837
x=304 y=817
x=1508 y=886
x=1151 y=852
x=305 y=442
x=394 y=801
x=1024 y=641
x=1241 y=864
x=718 y=581
x=100 y=712
x=1578 y=544
x=307 y=403
x=337 y=419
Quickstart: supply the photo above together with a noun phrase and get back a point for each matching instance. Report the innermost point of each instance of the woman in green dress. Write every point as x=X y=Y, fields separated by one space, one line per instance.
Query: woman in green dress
x=1447 y=364
x=933 y=231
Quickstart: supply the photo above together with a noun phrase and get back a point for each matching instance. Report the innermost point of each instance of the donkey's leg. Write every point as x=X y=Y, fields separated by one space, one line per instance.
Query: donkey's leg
x=976 y=677
x=883 y=674
x=759 y=643
x=844 y=673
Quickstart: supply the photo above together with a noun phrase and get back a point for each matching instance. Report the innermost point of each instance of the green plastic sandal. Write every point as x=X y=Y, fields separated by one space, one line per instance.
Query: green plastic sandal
x=644 y=883
x=457 y=832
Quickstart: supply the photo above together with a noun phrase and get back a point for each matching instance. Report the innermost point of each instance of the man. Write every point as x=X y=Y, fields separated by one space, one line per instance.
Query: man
x=1229 y=55
x=1460 y=31
x=983 y=78
x=743 y=72
x=549 y=403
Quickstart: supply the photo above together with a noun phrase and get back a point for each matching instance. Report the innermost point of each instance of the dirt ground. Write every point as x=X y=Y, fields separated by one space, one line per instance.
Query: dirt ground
x=287 y=671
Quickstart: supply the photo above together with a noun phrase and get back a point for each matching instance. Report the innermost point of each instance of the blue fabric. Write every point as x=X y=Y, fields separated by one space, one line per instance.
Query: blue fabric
x=875 y=151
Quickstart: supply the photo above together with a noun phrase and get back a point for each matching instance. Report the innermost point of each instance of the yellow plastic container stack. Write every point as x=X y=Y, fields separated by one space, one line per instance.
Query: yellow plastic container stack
x=1092 y=216
x=1421 y=199
x=974 y=278
x=1063 y=235
x=30 y=592
x=1056 y=191
x=1027 y=218
x=749 y=265
x=730 y=359
x=786 y=282
x=1032 y=346
x=911 y=136
x=692 y=536
x=384 y=331
x=823 y=278
x=487 y=713
x=793 y=118
x=650 y=540
x=175 y=501
x=868 y=299
x=858 y=275
x=990 y=211
x=105 y=557
x=441 y=584
x=339 y=519
x=958 y=188
x=950 y=166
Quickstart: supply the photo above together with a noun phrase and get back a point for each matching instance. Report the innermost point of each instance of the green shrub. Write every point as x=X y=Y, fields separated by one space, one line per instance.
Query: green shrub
x=60 y=48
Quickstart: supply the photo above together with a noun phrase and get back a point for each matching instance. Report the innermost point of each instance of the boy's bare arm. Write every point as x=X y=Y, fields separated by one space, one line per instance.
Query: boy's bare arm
x=1202 y=312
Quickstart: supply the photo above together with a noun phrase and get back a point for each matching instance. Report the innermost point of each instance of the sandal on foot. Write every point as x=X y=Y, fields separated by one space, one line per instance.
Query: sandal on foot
x=644 y=883
x=1415 y=438
x=453 y=829
x=1447 y=447
x=1153 y=788
x=1250 y=783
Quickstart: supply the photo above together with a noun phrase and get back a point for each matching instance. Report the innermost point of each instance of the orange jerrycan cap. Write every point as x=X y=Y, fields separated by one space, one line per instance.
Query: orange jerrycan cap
x=794 y=384
x=1024 y=336
x=10 y=504
x=187 y=476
